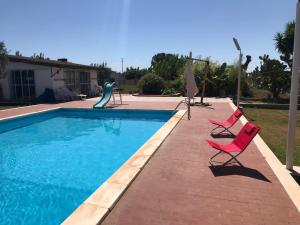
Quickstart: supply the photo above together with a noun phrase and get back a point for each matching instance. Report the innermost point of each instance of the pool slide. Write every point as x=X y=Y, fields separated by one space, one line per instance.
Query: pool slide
x=107 y=92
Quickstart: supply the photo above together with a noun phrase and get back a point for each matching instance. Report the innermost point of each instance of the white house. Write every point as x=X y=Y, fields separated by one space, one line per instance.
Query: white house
x=29 y=78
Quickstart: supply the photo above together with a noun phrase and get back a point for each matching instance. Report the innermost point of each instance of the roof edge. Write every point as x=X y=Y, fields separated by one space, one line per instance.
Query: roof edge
x=48 y=62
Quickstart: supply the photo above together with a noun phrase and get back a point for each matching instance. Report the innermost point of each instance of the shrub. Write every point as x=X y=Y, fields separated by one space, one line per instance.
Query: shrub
x=169 y=91
x=231 y=88
x=261 y=93
x=151 y=84
x=177 y=85
x=129 y=88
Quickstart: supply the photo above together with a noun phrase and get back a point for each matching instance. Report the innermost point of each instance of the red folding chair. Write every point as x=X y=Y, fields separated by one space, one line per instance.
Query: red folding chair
x=238 y=145
x=227 y=123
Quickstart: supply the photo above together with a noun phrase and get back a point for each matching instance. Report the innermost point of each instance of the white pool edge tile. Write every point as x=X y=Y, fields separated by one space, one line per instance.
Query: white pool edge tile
x=28 y=114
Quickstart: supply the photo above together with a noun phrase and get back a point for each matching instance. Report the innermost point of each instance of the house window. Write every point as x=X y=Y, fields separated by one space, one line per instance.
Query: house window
x=70 y=80
x=23 y=84
x=77 y=82
x=84 y=78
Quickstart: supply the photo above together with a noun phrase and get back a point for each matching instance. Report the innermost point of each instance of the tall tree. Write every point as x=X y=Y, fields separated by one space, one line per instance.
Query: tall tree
x=284 y=43
x=217 y=78
x=134 y=73
x=232 y=72
x=271 y=75
x=168 y=66
x=3 y=59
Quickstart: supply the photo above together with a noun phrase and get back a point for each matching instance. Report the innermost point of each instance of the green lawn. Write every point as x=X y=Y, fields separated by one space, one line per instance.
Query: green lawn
x=274 y=125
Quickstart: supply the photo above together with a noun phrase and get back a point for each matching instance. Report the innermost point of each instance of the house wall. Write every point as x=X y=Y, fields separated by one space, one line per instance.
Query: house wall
x=45 y=77
x=42 y=77
x=58 y=77
x=59 y=84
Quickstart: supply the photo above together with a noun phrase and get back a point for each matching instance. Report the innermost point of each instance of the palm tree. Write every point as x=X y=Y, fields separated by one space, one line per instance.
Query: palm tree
x=284 y=43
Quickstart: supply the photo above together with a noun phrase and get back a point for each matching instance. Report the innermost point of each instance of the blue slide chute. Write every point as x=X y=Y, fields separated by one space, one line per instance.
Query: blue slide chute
x=107 y=92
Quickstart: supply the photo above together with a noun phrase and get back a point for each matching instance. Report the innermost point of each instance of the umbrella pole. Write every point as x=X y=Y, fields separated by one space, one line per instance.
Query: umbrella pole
x=189 y=99
x=189 y=108
x=204 y=80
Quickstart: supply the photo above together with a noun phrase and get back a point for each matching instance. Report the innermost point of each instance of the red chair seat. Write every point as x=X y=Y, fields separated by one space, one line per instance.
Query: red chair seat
x=225 y=148
x=222 y=123
x=239 y=144
x=227 y=123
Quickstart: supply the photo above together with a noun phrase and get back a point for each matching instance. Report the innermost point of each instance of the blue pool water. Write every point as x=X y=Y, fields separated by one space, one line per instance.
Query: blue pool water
x=51 y=162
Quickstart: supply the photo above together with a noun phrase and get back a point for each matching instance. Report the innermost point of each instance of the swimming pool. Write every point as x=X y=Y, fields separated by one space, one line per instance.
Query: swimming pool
x=52 y=161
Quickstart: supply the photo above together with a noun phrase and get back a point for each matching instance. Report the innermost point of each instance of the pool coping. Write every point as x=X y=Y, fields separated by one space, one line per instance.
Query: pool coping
x=98 y=205
x=28 y=114
x=18 y=107
x=284 y=176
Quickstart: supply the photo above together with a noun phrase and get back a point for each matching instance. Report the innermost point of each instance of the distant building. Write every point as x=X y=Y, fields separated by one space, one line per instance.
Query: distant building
x=28 y=78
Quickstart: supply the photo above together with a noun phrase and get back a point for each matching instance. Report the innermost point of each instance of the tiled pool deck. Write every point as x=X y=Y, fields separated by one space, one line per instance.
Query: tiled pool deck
x=178 y=187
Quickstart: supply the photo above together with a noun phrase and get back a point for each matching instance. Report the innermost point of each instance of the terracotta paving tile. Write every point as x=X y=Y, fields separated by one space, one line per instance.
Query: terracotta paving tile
x=178 y=186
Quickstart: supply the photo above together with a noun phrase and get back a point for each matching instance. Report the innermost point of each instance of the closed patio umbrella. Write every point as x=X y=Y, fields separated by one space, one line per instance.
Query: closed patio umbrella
x=191 y=87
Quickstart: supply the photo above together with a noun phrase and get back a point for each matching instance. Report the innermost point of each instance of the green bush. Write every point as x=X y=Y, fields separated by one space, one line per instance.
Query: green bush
x=129 y=88
x=169 y=91
x=261 y=93
x=174 y=86
x=231 y=88
x=177 y=85
x=151 y=84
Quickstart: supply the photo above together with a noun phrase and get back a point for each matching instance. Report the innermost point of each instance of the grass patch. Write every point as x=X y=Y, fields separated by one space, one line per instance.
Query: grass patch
x=274 y=126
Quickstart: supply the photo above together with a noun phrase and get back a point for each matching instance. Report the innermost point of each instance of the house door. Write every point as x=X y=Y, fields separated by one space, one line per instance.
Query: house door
x=22 y=84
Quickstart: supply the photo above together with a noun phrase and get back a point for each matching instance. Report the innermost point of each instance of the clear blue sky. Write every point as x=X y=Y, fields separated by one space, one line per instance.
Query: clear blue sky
x=107 y=30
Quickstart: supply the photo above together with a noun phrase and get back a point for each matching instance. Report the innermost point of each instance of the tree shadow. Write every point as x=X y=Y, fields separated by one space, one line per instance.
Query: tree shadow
x=238 y=170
